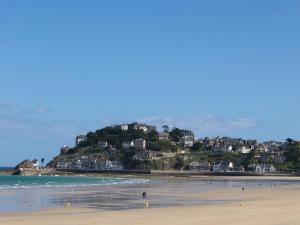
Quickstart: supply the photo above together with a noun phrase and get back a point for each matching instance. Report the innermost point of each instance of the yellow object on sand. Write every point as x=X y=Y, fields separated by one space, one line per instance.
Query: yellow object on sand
x=147 y=204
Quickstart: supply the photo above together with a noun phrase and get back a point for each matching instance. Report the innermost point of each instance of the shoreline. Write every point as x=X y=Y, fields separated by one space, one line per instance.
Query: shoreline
x=268 y=206
x=152 y=173
x=168 y=175
x=161 y=191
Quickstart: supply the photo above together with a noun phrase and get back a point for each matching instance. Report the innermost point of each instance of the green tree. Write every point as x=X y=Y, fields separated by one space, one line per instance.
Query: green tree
x=292 y=151
x=152 y=136
x=176 y=135
x=198 y=146
x=92 y=138
x=179 y=163
x=165 y=128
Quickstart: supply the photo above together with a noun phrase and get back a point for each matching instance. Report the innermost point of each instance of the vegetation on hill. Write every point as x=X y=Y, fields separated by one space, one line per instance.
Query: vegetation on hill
x=170 y=151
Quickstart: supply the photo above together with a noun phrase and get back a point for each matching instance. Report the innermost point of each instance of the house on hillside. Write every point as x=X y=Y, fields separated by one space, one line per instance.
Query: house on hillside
x=163 y=136
x=244 y=150
x=80 y=139
x=124 y=127
x=188 y=138
x=144 y=127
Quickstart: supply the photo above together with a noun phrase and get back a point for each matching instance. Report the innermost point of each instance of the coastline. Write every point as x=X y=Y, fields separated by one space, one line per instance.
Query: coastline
x=160 y=174
x=164 y=175
x=151 y=173
x=268 y=206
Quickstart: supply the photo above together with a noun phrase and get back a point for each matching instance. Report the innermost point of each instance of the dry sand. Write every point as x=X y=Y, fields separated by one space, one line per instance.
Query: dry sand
x=261 y=206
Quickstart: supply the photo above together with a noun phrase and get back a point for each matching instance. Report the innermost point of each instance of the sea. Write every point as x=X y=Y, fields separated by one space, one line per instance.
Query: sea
x=35 y=182
x=6 y=168
x=32 y=193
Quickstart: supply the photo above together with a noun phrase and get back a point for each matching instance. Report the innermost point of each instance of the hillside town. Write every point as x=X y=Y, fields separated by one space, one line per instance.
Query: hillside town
x=140 y=146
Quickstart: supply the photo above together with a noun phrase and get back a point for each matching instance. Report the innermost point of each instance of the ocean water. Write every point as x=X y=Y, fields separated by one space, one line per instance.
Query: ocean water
x=31 y=193
x=19 y=182
x=6 y=168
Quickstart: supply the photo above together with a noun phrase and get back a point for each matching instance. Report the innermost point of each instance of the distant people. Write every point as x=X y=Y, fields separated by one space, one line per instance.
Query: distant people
x=144 y=194
x=243 y=188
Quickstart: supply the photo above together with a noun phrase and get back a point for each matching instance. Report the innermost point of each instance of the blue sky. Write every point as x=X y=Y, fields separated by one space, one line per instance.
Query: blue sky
x=217 y=67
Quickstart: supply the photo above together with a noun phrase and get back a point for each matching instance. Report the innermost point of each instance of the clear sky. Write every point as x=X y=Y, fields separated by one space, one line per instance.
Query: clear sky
x=228 y=68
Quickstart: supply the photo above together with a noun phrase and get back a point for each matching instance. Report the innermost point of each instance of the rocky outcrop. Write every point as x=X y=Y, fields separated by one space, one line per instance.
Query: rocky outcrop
x=27 y=164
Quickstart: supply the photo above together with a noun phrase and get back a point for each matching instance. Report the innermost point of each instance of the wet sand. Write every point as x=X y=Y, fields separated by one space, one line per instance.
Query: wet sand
x=206 y=200
x=268 y=206
x=161 y=192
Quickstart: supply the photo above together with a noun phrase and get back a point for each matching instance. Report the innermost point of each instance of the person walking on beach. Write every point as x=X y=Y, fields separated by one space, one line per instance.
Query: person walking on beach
x=144 y=194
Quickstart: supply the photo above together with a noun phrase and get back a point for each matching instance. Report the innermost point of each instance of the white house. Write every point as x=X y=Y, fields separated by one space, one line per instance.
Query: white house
x=124 y=127
x=264 y=168
x=230 y=166
x=143 y=127
x=244 y=150
x=80 y=139
x=188 y=138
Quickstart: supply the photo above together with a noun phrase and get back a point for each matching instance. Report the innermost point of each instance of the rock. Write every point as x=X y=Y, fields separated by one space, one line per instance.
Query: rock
x=27 y=164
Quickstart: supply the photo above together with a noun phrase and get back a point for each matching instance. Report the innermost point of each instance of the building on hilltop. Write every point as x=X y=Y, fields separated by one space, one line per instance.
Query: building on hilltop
x=188 y=138
x=144 y=127
x=244 y=150
x=80 y=139
x=124 y=127
x=163 y=136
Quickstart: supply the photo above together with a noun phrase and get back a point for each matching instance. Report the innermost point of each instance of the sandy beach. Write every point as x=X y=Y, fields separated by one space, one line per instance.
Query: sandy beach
x=269 y=206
